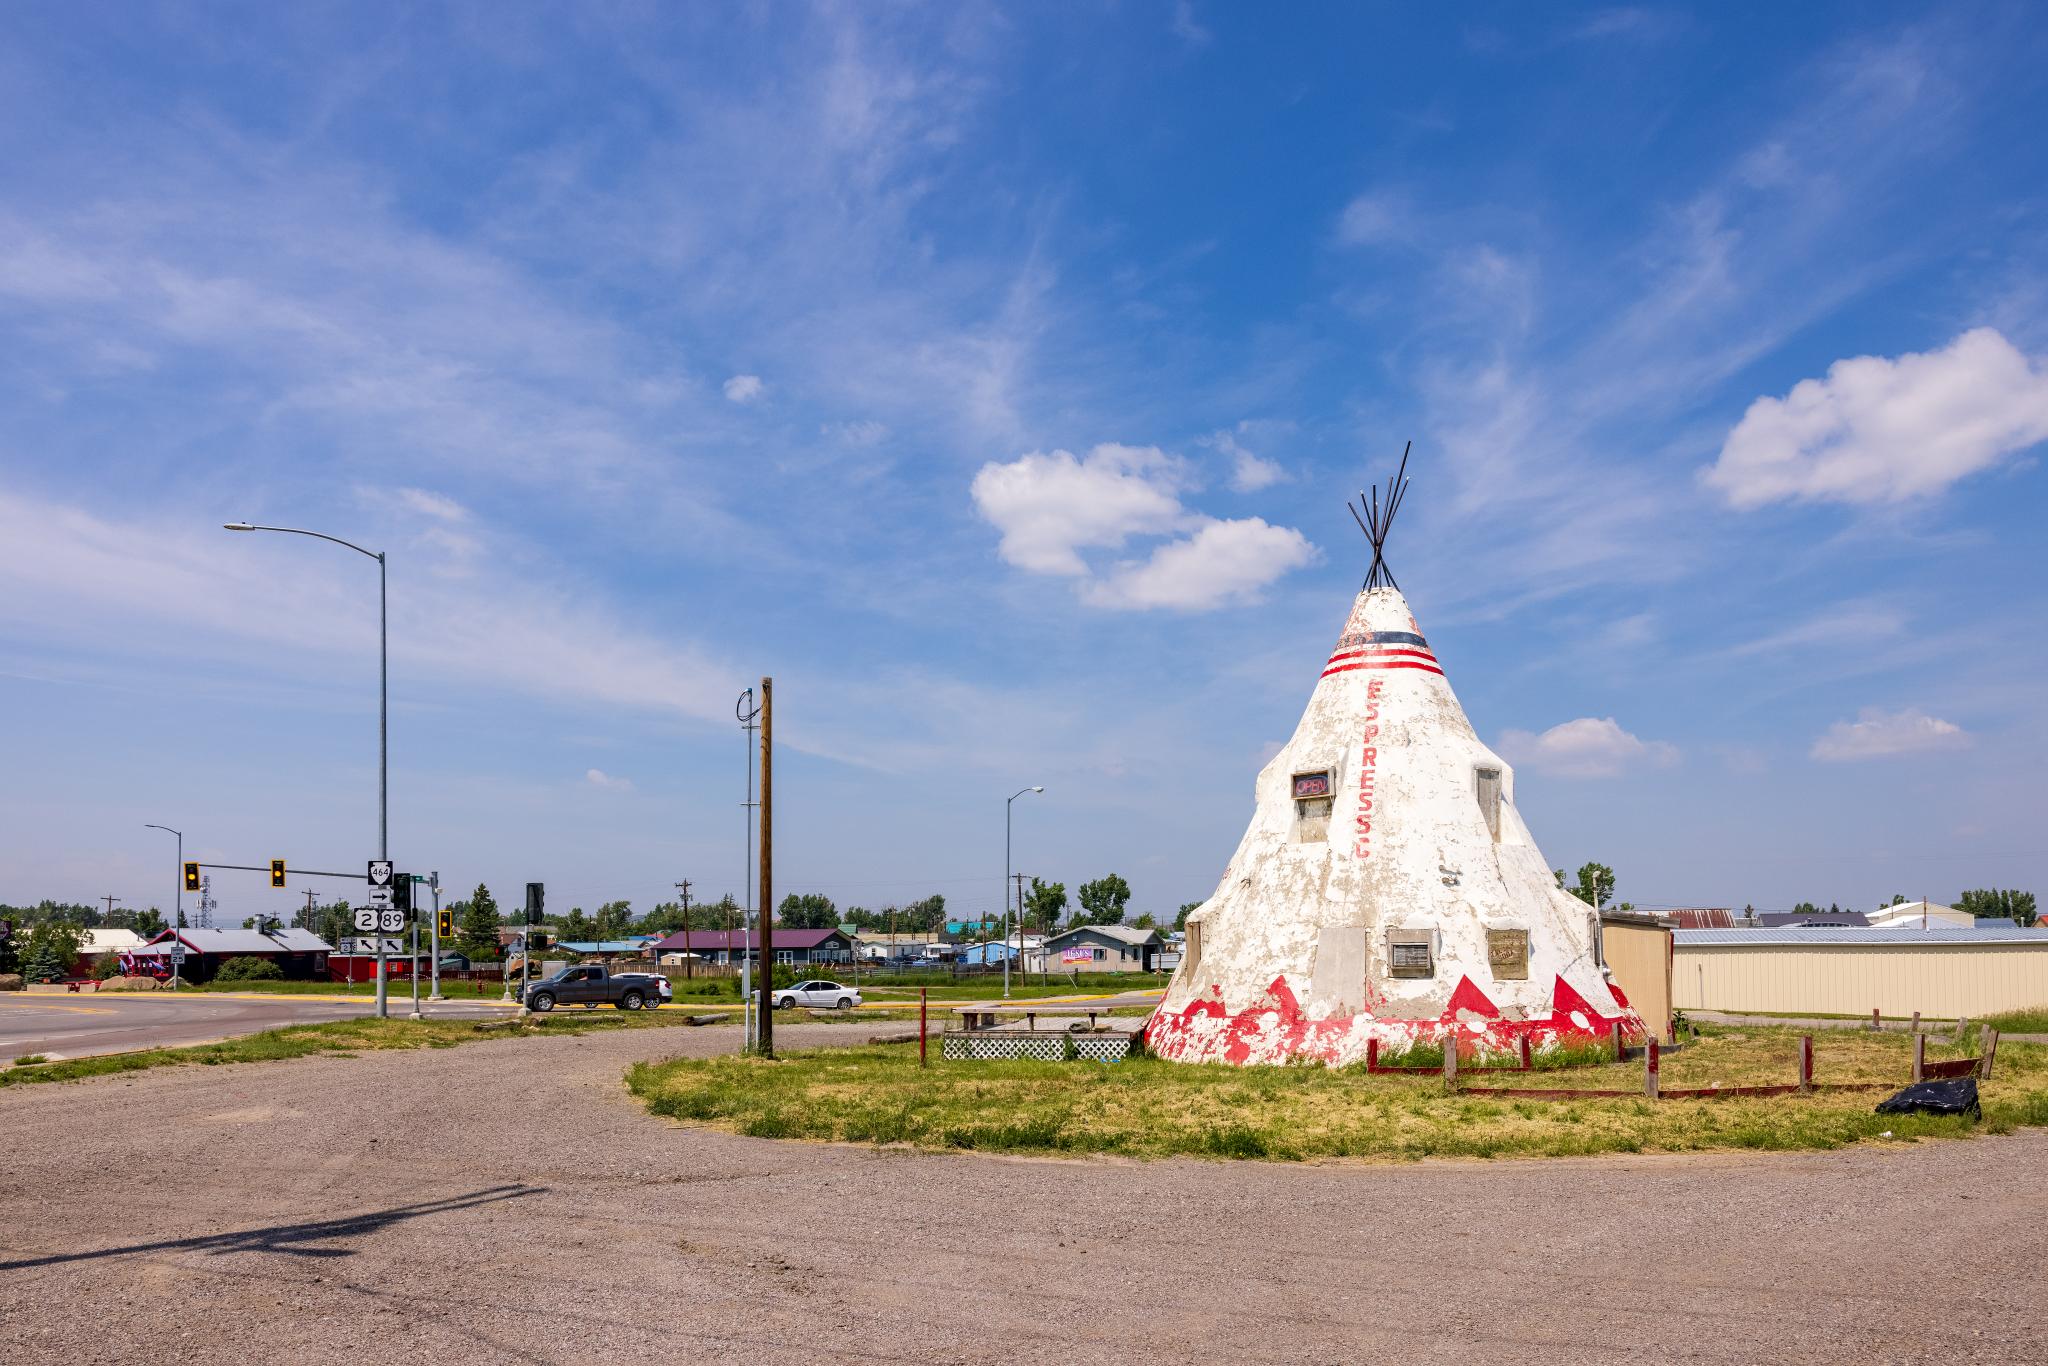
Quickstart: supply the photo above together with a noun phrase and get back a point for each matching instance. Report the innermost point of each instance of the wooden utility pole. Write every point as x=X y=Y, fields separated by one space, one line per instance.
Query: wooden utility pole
x=684 y=888
x=766 y=1008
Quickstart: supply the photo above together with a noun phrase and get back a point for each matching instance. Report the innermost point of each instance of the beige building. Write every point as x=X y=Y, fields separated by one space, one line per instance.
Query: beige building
x=1942 y=973
x=1921 y=915
x=1637 y=952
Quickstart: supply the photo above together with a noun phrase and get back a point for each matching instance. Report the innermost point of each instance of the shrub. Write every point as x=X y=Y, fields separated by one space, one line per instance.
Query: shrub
x=249 y=970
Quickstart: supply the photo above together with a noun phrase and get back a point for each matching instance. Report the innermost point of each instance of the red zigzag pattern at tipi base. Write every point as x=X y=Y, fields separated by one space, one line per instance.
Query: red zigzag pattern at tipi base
x=1274 y=1031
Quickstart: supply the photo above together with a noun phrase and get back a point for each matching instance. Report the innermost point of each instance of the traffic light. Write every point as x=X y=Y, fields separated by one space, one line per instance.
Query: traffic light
x=277 y=872
x=191 y=877
x=536 y=940
x=536 y=897
x=401 y=893
x=444 y=923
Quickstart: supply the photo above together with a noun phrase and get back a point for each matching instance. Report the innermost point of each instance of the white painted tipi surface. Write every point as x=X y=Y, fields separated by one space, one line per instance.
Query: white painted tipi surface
x=1387 y=888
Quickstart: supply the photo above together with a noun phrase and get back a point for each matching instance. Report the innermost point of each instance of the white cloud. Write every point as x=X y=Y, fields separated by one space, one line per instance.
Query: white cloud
x=1376 y=218
x=1248 y=472
x=867 y=432
x=1876 y=734
x=1227 y=561
x=597 y=777
x=1051 y=506
x=744 y=388
x=1881 y=430
x=1589 y=747
x=1186 y=28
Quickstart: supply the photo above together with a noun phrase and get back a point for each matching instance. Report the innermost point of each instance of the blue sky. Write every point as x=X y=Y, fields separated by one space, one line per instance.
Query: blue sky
x=994 y=379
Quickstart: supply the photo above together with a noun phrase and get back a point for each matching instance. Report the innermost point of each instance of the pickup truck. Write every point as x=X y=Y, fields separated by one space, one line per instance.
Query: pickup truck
x=590 y=986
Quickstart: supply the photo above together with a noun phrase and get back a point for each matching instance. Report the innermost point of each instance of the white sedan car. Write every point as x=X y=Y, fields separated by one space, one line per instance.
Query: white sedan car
x=818 y=996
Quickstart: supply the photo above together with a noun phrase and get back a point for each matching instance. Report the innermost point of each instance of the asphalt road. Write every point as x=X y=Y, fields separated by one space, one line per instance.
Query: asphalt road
x=71 y=1026
x=507 y=1201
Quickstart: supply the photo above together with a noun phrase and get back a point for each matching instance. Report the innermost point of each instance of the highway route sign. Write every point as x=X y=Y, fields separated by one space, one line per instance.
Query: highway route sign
x=380 y=873
x=390 y=920
x=366 y=919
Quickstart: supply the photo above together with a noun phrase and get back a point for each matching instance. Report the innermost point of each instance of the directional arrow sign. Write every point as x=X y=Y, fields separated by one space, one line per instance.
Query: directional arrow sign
x=380 y=897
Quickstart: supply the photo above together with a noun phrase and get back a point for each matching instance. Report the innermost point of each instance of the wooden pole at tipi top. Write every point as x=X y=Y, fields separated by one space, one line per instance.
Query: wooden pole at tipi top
x=766 y=1008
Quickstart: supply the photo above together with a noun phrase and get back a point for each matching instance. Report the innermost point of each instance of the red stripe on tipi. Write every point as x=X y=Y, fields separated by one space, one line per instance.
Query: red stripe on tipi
x=1382 y=654
x=1388 y=664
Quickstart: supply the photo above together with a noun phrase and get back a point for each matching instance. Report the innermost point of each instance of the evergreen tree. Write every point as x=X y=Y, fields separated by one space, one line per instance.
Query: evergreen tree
x=476 y=928
x=1180 y=922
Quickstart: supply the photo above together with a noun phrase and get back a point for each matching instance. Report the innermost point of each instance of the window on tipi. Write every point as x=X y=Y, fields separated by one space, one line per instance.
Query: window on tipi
x=1411 y=953
x=1313 y=793
x=1486 y=784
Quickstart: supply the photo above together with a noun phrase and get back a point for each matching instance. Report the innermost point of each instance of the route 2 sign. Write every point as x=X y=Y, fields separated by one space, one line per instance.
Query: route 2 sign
x=366 y=919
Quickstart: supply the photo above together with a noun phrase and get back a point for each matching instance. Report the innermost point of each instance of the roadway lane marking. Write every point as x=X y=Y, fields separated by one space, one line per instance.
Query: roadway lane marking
x=29 y=1004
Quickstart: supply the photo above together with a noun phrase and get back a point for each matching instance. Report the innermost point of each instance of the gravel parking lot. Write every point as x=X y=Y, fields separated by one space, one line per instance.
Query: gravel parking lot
x=508 y=1201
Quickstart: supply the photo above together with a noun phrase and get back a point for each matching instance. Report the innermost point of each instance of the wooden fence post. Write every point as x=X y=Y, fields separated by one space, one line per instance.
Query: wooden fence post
x=1650 y=1068
x=1806 y=1064
x=1916 y=1022
x=1615 y=1031
x=1876 y=1020
x=1919 y=1057
x=1989 y=1049
x=1451 y=1061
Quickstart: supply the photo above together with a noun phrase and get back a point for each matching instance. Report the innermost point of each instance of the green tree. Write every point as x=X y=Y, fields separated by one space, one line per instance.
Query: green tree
x=576 y=926
x=810 y=911
x=2015 y=906
x=1144 y=921
x=1103 y=901
x=10 y=944
x=1898 y=899
x=149 y=923
x=613 y=919
x=927 y=915
x=1806 y=908
x=1180 y=922
x=51 y=949
x=476 y=928
x=1044 y=904
x=1596 y=884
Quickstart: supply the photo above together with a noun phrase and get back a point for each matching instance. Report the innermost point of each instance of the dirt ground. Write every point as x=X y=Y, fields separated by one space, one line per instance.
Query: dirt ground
x=508 y=1201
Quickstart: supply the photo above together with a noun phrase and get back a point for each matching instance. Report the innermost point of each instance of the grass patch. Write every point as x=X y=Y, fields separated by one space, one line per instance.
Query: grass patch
x=343 y=1038
x=1144 y=1107
x=2033 y=1021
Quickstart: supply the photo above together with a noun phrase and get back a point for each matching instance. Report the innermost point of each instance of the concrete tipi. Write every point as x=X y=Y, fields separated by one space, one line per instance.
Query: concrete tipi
x=1387 y=888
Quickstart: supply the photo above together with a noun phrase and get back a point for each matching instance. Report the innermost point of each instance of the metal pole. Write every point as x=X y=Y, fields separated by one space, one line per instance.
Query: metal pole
x=747 y=712
x=412 y=967
x=434 y=881
x=179 y=892
x=383 y=735
x=1008 y=807
x=765 y=1010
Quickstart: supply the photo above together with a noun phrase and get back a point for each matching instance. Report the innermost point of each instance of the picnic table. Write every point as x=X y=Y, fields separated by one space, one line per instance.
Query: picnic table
x=985 y=1017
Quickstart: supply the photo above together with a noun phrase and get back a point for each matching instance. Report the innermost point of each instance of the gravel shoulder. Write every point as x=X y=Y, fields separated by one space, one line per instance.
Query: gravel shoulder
x=509 y=1201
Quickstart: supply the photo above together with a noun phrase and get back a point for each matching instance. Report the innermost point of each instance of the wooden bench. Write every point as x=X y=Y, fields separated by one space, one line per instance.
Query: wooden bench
x=981 y=1018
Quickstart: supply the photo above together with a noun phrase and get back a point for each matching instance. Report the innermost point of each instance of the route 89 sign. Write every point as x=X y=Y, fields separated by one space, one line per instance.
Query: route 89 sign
x=371 y=919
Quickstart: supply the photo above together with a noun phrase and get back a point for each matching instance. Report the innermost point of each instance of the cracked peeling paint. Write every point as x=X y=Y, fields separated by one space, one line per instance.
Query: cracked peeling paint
x=1420 y=855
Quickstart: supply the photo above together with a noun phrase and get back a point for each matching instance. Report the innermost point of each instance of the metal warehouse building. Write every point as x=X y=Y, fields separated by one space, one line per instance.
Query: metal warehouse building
x=1942 y=973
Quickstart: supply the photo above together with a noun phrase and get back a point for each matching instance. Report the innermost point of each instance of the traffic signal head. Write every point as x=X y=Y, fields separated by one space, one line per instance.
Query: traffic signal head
x=277 y=872
x=191 y=877
x=536 y=897
x=401 y=892
x=444 y=923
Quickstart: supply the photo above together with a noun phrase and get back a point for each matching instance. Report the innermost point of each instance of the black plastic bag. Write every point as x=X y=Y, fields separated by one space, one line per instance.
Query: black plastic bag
x=1951 y=1096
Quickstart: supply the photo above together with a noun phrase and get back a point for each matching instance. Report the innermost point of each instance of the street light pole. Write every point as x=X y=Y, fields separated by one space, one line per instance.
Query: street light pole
x=383 y=711
x=1006 y=888
x=180 y=894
